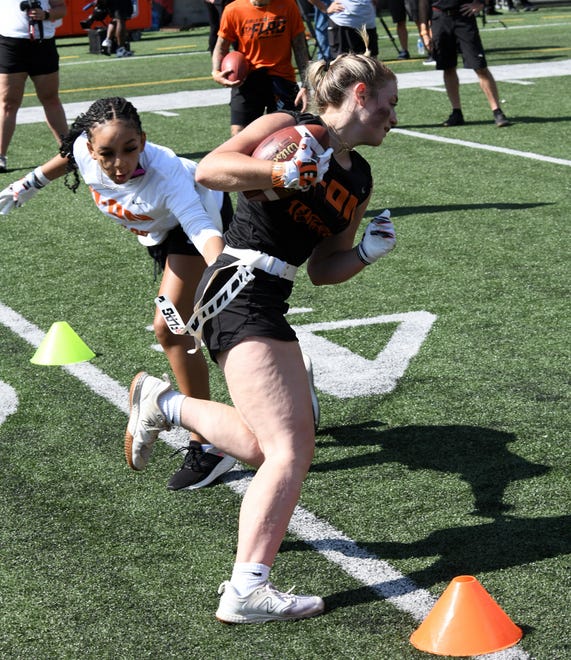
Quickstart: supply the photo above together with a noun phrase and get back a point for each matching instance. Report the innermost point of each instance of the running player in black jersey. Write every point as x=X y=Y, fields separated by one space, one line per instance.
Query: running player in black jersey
x=270 y=426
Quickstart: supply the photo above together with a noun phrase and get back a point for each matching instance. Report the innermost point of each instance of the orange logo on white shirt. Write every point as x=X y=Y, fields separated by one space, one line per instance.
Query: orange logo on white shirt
x=117 y=210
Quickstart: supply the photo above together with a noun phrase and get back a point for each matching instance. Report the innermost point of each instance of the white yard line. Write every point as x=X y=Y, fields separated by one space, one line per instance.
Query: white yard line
x=336 y=547
x=220 y=96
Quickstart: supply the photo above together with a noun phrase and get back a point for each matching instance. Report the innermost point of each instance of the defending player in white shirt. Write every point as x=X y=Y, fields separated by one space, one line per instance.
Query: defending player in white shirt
x=152 y=192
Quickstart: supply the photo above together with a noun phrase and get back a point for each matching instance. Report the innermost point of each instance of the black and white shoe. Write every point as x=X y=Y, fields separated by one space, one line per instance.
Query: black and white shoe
x=199 y=468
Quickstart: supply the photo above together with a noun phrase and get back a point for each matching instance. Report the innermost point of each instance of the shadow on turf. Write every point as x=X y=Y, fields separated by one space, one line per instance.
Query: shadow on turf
x=402 y=211
x=481 y=457
x=517 y=119
x=469 y=550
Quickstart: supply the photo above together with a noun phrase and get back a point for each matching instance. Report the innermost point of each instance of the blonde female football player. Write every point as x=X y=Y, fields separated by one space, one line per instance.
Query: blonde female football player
x=152 y=192
x=270 y=424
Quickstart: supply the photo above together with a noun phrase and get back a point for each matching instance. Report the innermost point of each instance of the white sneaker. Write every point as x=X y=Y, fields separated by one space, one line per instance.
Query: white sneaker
x=314 y=399
x=123 y=52
x=146 y=420
x=3 y=166
x=264 y=604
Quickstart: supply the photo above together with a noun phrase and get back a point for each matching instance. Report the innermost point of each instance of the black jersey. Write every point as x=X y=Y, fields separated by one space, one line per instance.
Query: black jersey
x=290 y=228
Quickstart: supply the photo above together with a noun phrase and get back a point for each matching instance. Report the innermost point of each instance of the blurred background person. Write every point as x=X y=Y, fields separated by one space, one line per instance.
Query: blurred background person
x=28 y=48
x=265 y=32
x=448 y=29
x=214 y=9
x=120 y=12
x=346 y=29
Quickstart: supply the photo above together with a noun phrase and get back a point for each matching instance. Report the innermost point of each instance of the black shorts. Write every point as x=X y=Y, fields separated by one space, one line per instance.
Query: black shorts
x=36 y=58
x=261 y=92
x=402 y=9
x=177 y=241
x=453 y=34
x=120 y=8
x=257 y=311
x=348 y=40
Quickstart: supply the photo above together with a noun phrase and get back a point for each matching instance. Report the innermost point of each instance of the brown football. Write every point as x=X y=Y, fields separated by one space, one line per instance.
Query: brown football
x=236 y=62
x=281 y=146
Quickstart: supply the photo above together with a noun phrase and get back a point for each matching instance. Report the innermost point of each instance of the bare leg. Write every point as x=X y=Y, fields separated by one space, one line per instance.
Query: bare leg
x=452 y=84
x=47 y=90
x=489 y=87
x=11 y=93
x=180 y=279
x=402 y=33
x=268 y=384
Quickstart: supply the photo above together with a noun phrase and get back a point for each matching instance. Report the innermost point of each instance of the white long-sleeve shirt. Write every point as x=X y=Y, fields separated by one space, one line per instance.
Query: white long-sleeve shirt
x=153 y=203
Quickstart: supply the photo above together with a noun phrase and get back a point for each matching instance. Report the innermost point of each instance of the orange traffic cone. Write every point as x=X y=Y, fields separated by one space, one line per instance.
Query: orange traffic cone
x=465 y=620
x=61 y=345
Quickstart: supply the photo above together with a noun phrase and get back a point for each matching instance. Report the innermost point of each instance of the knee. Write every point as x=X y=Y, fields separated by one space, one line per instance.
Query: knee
x=164 y=336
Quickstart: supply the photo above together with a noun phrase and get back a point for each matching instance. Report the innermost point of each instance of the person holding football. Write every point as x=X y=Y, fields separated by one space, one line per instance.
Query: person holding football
x=265 y=32
x=243 y=298
x=152 y=192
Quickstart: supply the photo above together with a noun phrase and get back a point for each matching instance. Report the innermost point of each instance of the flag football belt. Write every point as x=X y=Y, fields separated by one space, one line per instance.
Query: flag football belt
x=204 y=311
x=265 y=262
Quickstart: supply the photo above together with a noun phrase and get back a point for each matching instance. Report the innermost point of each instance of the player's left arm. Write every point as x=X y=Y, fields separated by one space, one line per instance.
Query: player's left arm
x=299 y=47
x=334 y=260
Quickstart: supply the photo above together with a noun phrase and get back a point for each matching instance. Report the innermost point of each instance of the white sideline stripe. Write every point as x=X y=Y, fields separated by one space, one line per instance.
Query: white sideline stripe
x=220 y=95
x=339 y=549
x=484 y=147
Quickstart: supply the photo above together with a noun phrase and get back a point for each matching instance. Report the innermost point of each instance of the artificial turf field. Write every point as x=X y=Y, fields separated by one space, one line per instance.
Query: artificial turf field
x=442 y=373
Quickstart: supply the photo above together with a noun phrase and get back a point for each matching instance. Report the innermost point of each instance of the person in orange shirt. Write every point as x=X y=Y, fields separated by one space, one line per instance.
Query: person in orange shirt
x=265 y=32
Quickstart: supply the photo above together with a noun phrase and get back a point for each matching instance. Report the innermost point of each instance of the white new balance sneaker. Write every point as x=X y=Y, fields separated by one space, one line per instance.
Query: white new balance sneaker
x=264 y=604
x=314 y=399
x=146 y=420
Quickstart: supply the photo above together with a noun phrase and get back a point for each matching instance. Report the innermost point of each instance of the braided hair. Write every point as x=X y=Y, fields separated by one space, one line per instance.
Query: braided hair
x=98 y=113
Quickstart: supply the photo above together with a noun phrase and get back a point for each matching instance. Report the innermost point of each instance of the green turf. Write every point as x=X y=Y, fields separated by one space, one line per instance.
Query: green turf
x=462 y=469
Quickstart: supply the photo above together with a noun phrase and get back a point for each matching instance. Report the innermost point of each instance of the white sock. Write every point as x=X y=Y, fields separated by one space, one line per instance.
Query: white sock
x=247 y=576
x=170 y=404
x=211 y=449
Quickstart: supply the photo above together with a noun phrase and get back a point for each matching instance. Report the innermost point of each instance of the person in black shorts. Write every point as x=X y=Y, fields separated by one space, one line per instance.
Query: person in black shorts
x=242 y=301
x=449 y=28
x=266 y=32
x=120 y=12
x=28 y=48
x=401 y=10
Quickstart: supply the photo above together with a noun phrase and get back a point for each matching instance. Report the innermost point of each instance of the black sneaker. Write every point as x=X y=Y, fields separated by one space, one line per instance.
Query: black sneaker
x=199 y=468
x=501 y=120
x=456 y=119
x=403 y=55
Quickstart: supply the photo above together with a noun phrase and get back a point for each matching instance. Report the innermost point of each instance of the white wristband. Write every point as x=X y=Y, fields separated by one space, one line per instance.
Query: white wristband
x=40 y=178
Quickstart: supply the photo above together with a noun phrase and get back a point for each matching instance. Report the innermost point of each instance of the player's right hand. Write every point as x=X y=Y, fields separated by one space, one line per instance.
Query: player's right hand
x=306 y=168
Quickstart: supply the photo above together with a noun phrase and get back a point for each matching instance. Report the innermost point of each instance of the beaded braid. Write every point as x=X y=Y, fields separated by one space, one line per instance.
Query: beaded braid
x=100 y=112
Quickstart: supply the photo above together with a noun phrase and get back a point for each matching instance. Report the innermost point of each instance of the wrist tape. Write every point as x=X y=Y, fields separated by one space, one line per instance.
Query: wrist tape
x=39 y=179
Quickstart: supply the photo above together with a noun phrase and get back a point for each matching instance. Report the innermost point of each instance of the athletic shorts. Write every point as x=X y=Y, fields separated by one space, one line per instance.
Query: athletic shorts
x=261 y=92
x=120 y=8
x=400 y=10
x=348 y=40
x=177 y=241
x=36 y=58
x=257 y=311
x=453 y=34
